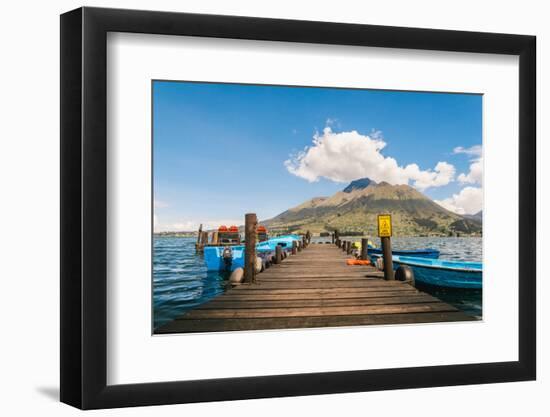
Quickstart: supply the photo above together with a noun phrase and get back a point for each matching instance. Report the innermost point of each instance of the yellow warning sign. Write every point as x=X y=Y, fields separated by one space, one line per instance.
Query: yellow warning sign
x=384 y=225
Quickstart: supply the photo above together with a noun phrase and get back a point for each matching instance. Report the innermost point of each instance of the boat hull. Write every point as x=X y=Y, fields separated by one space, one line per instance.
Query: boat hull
x=442 y=273
x=420 y=253
x=213 y=255
x=446 y=278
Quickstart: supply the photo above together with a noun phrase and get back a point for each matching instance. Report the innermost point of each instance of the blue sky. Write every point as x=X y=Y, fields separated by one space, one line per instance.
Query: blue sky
x=221 y=150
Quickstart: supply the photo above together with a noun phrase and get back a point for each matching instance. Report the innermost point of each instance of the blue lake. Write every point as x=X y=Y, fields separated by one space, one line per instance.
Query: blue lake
x=181 y=282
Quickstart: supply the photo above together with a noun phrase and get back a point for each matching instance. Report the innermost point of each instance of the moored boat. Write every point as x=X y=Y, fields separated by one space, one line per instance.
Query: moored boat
x=416 y=253
x=229 y=258
x=443 y=273
x=284 y=241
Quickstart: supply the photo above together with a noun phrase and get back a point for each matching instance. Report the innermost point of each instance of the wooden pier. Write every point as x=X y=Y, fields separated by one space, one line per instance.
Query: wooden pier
x=315 y=288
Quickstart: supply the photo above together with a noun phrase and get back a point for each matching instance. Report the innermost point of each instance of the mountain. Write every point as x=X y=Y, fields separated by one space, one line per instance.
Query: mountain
x=355 y=209
x=478 y=216
x=358 y=185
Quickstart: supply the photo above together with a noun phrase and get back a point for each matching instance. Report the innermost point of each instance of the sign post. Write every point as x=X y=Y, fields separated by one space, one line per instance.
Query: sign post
x=385 y=233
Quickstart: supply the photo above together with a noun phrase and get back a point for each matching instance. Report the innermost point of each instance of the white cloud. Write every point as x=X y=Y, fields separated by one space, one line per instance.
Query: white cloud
x=468 y=201
x=346 y=156
x=474 y=151
x=475 y=176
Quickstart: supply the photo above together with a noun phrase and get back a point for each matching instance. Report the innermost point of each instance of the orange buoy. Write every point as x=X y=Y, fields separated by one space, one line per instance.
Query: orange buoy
x=357 y=262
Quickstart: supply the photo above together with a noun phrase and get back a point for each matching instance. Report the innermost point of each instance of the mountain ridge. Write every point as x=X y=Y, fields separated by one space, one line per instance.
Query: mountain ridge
x=355 y=209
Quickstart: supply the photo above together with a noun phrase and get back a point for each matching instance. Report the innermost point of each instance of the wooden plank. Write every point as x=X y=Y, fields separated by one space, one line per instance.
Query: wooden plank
x=322 y=273
x=308 y=278
x=320 y=284
x=313 y=274
x=317 y=291
x=223 y=303
x=221 y=325
x=256 y=296
x=199 y=313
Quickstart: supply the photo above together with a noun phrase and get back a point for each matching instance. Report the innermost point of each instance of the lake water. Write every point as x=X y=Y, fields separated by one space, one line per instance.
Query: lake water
x=181 y=282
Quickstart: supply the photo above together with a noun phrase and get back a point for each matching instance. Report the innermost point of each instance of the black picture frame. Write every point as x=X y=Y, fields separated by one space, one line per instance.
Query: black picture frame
x=84 y=207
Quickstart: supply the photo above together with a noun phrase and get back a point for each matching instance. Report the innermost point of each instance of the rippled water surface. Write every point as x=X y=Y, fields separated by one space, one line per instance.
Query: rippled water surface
x=180 y=279
x=181 y=282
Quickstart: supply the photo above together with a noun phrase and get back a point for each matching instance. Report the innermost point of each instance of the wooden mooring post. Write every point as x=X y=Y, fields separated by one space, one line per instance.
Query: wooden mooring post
x=349 y=248
x=385 y=233
x=198 y=246
x=388 y=262
x=278 y=254
x=199 y=235
x=204 y=239
x=294 y=247
x=364 y=249
x=332 y=238
x=250 y=223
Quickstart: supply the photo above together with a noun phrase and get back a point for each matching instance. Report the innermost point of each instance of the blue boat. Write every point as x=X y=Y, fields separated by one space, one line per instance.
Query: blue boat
x=231 y=257
x=415 y=253
x=443 y=273
x=284 y=241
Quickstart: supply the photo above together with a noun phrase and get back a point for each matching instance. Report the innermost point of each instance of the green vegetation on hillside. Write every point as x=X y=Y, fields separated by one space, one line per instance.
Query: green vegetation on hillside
x=356 y=210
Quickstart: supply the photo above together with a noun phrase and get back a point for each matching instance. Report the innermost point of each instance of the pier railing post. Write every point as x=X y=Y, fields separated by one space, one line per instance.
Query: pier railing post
x=385 y=233
x=345 y=246
x=332 y=238
x=364 y=249
x=278 y=254
x=388 y=262
x=294 y=247
x=348 y=248
x=250 y=223
x=198 y=247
